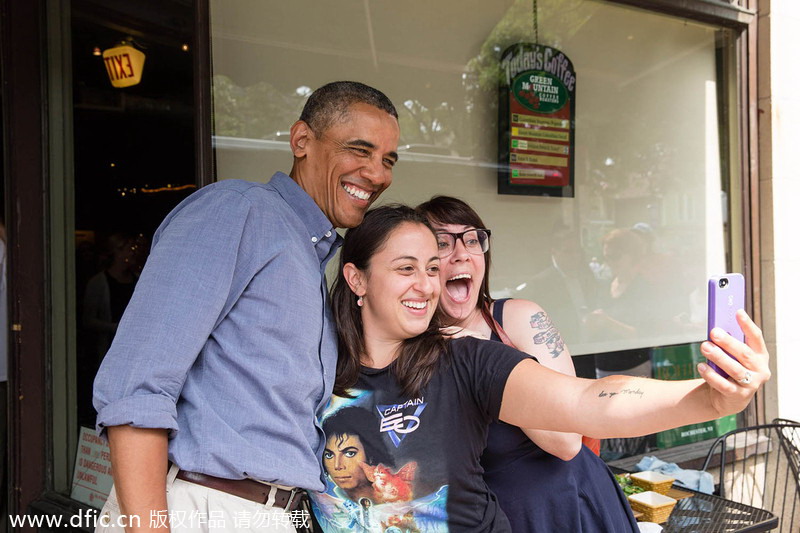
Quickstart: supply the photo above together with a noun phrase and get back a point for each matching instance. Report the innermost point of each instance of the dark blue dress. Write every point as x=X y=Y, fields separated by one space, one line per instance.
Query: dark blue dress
x=543 y=494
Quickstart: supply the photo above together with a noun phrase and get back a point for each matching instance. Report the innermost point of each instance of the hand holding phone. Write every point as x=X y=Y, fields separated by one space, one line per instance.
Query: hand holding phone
x=725 y=297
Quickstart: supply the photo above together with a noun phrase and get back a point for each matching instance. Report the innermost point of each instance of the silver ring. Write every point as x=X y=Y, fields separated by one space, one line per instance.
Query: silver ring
x=748 y=376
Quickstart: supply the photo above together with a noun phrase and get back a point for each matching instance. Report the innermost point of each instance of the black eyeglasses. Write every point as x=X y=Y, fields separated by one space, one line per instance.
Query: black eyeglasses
x=476 y=241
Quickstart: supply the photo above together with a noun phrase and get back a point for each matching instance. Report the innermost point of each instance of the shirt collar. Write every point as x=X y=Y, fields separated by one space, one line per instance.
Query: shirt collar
x=322 y=234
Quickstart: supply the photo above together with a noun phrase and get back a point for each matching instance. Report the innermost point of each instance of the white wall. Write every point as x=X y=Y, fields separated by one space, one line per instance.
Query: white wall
x=779 y=137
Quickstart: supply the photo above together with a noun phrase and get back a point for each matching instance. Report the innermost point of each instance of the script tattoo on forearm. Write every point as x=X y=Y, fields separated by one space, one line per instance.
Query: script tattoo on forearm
x=638 y=393
x=548 y=334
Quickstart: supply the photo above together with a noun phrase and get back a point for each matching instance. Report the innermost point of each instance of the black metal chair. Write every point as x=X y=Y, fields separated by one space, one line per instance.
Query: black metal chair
x=791 y=440
x=760 y=466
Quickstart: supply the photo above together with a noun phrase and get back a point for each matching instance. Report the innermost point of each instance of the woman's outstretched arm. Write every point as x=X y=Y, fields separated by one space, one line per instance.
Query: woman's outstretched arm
x=625 y=406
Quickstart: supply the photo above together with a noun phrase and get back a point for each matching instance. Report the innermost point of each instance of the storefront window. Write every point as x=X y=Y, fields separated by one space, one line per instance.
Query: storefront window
x=622 y=266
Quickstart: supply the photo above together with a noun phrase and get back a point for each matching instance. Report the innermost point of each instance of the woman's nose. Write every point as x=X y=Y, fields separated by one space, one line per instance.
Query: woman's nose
x=427 y=284
x=460 y=252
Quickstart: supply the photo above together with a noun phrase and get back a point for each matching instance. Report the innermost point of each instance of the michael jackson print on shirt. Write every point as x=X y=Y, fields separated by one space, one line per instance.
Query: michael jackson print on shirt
x=372 y=485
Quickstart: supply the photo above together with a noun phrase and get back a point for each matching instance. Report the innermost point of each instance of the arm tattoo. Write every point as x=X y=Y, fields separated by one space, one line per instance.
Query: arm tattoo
x=625 y=392
x=548 y=333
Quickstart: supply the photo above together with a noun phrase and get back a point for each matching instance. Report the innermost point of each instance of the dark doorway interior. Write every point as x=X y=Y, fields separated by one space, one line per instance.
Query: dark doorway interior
x=134 y=158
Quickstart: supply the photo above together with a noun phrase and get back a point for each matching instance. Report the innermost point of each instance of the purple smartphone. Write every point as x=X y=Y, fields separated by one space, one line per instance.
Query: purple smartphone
x=725 y=297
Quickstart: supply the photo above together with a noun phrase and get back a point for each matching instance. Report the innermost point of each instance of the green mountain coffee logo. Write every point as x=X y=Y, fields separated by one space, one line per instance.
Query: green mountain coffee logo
x=539 y=91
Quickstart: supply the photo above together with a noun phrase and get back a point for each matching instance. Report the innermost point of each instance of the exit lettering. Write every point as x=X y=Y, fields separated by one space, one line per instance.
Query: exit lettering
x=119 y=66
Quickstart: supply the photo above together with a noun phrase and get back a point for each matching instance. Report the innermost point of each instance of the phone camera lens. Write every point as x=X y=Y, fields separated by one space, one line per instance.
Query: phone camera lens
x=723 y=283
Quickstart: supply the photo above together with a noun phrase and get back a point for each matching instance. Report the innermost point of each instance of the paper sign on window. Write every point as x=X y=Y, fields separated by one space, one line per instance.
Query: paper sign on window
x=91 y=479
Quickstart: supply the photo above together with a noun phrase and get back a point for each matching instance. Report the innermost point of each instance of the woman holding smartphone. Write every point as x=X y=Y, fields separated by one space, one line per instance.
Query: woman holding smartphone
x=431 y=399
x=544 y=480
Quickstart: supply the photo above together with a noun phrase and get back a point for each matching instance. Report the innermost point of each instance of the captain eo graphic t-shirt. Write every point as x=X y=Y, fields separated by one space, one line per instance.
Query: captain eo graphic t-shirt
x=408 y=464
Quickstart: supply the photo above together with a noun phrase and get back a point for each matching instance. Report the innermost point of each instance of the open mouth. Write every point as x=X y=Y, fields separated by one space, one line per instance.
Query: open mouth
x=459 y=287
x=356 y=192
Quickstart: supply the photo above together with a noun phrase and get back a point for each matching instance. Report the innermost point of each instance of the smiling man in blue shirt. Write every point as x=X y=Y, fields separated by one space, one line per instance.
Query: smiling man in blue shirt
x=226 y=352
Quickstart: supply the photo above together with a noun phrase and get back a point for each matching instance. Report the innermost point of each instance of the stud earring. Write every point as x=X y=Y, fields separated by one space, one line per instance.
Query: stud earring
x=360 y=301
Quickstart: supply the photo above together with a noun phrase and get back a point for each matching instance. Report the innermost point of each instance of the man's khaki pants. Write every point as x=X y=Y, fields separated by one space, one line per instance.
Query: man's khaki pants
x=196 y=508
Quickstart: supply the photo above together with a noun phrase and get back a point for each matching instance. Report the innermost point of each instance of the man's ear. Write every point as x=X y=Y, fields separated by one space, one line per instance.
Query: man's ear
x=299 y=136
x=354 y=278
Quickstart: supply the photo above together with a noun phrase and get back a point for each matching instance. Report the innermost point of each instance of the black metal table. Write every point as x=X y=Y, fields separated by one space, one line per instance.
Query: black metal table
x=704 y=513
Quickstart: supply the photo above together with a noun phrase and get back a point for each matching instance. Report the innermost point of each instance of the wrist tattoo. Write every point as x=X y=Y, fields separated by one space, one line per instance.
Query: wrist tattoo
x=548 y=334
x=638 y=393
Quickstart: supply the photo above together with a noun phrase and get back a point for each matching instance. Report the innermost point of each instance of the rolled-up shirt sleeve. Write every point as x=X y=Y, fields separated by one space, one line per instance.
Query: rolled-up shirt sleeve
x=184 y=290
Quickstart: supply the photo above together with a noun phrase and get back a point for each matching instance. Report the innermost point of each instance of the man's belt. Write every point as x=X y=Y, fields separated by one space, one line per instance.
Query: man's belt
x=288 y=500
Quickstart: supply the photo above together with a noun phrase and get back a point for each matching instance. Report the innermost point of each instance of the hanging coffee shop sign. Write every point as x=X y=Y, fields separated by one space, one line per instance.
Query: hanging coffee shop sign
x=537 y=122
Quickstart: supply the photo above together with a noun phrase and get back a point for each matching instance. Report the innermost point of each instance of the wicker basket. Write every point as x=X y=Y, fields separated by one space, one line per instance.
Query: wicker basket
x=654 y=481
x=654 y=507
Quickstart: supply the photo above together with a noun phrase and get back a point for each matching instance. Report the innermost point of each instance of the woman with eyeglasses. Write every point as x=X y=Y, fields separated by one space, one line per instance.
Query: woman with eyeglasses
x=544 y=480
x=431 y=399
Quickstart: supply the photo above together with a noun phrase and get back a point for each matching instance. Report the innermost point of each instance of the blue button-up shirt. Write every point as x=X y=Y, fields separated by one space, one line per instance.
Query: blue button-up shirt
x=228 y=340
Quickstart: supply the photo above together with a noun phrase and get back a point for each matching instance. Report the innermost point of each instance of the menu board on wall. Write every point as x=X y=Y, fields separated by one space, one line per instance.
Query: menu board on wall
x=537 y=122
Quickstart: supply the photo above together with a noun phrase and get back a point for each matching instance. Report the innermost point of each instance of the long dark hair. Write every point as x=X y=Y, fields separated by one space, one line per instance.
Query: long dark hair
x=419 y=356
x=449 y=210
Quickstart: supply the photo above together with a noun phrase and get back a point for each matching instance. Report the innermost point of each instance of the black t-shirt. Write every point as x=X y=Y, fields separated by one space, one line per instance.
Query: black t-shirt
x=401 y=464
